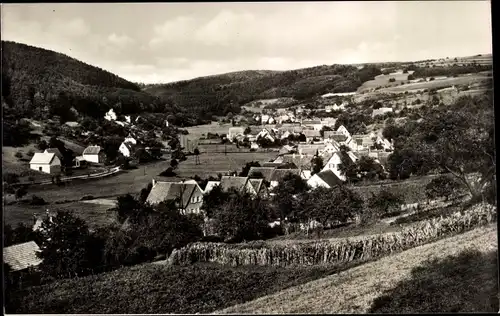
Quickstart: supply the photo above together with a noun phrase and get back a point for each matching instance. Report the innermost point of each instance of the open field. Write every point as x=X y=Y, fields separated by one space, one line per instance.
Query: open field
x=93 y=214
x=132 y=181
x=438 y=83
x=383 y=80
x=467 y=286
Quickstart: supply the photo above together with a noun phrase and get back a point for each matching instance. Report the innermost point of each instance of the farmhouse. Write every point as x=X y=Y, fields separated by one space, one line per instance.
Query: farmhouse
x=240 y=184
x=190 y=195
x=336 y=159
x=46 y=162
x=326 y=179
x=315 y=124
x=234 y=131
x=54 y=151
x=311 y=135
x=211 y=185
x=94 y=154
x=126 y=149
x=266 y=172
x=361 y=142
x=21 y=256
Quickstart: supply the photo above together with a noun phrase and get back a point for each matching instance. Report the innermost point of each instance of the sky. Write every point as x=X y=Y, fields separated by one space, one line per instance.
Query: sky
x=165 y=42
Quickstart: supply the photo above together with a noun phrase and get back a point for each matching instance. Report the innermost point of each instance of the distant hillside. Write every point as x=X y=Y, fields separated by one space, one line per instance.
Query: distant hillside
x=220 y=94
x=37 y=82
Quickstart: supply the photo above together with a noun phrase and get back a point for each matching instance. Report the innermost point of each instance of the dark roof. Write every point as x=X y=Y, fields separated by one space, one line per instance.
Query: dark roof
x=266 y=171
x=54 y=151
x=279 y=174
x=238 y=183
x=303 y=161
x=337 y=136
x=21 y=256
x=163 y=191
x=329 y=177
x=314 y=122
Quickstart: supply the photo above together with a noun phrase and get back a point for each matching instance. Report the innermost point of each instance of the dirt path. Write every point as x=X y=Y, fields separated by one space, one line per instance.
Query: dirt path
x=354 y=290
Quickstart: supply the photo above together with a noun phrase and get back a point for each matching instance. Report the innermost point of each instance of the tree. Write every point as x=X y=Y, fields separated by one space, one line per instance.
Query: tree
x=392 y=79
x=246 y=168
x=126 y=207
x=20 y=192
x=328 y=206
x=290 y=186
x=443 y=186
x=174 y=163
x=67 y=248
x=323 y=129
x=214 y=199
x=21 y=234
x=247 y=130
x=242 y=218
x=382 y=203
x=317 y=164
x=196 y=152
x=145 y=193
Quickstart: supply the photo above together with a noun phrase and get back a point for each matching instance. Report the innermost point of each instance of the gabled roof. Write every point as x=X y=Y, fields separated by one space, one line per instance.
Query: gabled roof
x=335 y=135
x=92 y=150
x=279 y=174
x=211 y=185
x=311 y=133
x=54 y=151
x=301 y=161
x=256 y=184
x=42 y=158
x=266 y=171
x=311 y=122
x=162 y=191
x=329 y=177
x=229 y=182
x=272 y=165
x=21 y=256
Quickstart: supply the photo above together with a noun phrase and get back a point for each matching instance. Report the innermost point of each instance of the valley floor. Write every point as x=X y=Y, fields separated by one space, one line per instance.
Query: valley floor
x=461 y=276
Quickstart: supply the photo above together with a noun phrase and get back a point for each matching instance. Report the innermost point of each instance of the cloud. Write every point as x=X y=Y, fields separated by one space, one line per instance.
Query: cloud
x=72 y=28
x=120 y=40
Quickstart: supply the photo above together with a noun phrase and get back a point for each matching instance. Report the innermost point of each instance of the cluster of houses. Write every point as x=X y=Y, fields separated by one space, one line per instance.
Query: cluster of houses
x=50 y=160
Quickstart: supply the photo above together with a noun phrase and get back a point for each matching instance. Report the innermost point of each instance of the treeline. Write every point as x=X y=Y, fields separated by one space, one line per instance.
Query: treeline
x=42 y=84
x=454 y=70
x=219 y=95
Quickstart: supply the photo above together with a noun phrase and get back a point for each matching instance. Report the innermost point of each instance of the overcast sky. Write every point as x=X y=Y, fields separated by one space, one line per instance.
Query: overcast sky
x=163 y=42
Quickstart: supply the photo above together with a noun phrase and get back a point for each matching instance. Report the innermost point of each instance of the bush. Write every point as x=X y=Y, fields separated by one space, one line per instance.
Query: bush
x=87 y=197
x=18 y=154
x=392 y=80
x=169 y=172
x=35 y=200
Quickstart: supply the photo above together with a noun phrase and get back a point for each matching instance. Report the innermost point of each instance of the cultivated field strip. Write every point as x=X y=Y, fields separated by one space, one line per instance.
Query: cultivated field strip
x=354 y=290
x=336 y=251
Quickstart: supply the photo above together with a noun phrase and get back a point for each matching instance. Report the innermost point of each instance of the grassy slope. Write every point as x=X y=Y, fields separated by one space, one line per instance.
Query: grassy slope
x=468 y=286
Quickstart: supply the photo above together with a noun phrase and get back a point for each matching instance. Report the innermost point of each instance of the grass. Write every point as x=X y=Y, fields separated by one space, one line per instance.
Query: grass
x=427 y=214
x=355 y=290
x=160 y=289
x=94 y=214
x=462 y=80
x=132 y=181
x=383 y=80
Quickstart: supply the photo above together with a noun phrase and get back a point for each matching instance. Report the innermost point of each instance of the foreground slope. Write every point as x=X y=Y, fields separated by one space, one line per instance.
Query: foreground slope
x=463 y=278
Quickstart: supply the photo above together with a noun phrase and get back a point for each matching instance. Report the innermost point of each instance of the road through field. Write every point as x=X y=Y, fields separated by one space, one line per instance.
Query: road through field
x=355 y=290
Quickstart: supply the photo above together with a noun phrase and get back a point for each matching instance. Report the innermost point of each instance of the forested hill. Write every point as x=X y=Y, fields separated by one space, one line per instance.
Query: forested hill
x=224 y=93
x=38 y=82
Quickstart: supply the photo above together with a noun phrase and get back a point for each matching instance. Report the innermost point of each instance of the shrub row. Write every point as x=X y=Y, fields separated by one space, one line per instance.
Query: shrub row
x=336 y=251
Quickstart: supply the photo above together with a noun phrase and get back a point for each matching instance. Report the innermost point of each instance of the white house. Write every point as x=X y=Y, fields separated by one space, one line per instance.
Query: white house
x=126 y=148
x=46 y=162
x=265 y=134
x=264 y=119
x=254 y=145
x=335 y=160
x=234 y=131
x=110 y=115
x=326 y=179
x=211 y=185
x=344 y=131
x=94 y=154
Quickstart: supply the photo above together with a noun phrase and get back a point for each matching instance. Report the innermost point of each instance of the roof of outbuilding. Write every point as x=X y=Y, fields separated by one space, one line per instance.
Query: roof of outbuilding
x=92 y=150
x=163 y=191
x=265 y=171
x=279 y=174
x=329 y=177
x=55 y=151
x=42 y=158
x=21 y=256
